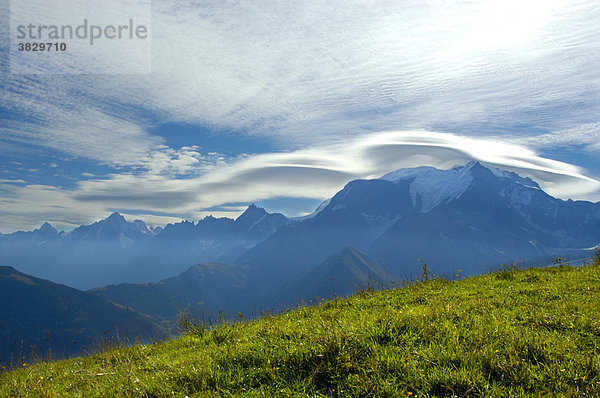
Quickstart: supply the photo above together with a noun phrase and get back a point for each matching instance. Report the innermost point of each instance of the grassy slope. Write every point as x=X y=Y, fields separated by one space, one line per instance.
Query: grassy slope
x=512 y=333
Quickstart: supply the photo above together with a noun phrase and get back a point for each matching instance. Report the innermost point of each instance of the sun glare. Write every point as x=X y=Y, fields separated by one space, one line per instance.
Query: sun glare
x=502 y=24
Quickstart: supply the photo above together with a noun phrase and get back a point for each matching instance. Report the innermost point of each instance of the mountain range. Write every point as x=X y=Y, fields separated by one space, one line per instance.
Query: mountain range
x=209 y=290
x=470 y=217
x=464 y=220
x=114 y=250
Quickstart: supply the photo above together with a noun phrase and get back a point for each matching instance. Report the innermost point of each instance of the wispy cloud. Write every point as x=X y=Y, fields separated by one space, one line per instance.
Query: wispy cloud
x=305 y=72
x=586 y=135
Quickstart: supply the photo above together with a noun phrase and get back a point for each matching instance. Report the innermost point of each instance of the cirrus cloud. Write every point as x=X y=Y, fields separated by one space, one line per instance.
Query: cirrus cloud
x=302 y=73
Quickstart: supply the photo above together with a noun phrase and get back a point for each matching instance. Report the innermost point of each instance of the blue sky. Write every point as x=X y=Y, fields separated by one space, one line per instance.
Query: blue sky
x=281 y=103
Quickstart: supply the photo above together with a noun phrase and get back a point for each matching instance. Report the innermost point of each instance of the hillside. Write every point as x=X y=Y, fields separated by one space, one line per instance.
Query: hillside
x=508 y=333
x=43 y=318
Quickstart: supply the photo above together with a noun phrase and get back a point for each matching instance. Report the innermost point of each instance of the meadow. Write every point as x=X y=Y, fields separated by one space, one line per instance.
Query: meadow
x=513 y=332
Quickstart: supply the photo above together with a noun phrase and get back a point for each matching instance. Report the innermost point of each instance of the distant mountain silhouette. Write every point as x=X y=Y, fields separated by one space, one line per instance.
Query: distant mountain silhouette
x=202 y=290
x=115 y=250
x=341 y=274
x=355 y=216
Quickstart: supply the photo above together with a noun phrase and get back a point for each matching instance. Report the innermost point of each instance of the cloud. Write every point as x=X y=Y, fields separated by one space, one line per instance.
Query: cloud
x=78 y=130
x=305 y=72
x=317 y=172
x=277 y=70
x=321 y=79
x=586 y=135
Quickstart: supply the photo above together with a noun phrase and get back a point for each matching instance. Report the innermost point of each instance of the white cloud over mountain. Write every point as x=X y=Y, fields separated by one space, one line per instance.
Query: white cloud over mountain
x=321 y=80
x=317 y=172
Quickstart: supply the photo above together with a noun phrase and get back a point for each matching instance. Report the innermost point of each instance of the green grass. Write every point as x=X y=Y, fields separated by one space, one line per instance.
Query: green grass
x=533 y=332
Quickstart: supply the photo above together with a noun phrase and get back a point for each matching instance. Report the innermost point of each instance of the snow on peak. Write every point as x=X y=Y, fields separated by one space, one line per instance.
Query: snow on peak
x=525 y=181
x=432 y=186
x=521 y=191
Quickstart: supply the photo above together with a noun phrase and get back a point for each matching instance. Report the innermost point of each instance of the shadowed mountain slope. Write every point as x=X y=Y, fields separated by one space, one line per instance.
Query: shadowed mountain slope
x=40 y=316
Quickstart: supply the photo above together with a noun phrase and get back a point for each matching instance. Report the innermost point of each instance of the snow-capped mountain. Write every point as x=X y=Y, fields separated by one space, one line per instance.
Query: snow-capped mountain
x=470 y=217
x=428 y=186
x=114 y=227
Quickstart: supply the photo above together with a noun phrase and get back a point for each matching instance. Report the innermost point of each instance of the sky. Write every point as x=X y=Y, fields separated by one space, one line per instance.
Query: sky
x=281 y=103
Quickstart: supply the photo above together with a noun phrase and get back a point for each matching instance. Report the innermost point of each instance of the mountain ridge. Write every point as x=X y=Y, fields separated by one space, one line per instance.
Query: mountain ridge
x=371 y=231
